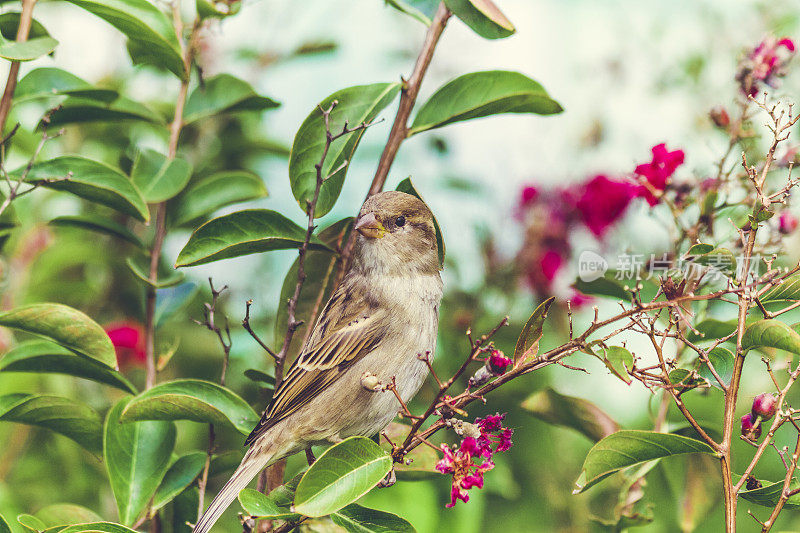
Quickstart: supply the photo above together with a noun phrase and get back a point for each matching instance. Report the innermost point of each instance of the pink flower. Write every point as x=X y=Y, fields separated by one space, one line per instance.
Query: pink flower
x=602 y=202
x=528 y=195
x=128 y=340
x=550 y=263
x=498 y=362
x=787 y=223
x=658 y=172
x=764 y=64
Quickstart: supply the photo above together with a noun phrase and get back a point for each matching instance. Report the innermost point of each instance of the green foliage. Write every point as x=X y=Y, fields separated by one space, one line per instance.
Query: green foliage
x=224 y=94
x=421 y=10
x=769 y=494
x=27 y=51
x=136 y=455
x=49 y=81
x=631 y=447
x=569 y=411
x=357 y=519
x=355 y=105
x=214 y=192
x=4 y=528
x=191 y=399
x=532 y=331
x=98 y=224
x=771 y=333
x=98 y=527
x=61 y=514
x=66 y=326
x=157 y=177
x=47 y=357
x=789 y=290
x=483 y=17
x=242 y=233
x=618 y=360
x=73 y=420
x=263 y=506
x=341 y=475
x=481 y=94
x=179 y=476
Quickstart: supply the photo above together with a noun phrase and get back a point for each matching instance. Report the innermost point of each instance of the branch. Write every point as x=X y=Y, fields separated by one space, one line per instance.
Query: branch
x=23 y=30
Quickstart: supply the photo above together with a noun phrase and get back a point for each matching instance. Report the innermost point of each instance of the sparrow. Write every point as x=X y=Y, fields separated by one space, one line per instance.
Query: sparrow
x=379 y=320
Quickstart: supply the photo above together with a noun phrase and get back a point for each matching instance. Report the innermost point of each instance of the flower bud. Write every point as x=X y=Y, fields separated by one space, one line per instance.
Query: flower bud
x=787 y=223
x=765 y=405
x=719 y=116
x=480 y=377
x=498 y=363
x=749 y=428
x=370 y=381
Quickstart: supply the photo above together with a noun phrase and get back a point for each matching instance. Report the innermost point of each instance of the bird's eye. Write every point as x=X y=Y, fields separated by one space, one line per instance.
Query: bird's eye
x=400 y=221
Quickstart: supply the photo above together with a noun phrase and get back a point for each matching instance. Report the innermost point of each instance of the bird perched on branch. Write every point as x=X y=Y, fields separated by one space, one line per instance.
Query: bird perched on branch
x=380 y=318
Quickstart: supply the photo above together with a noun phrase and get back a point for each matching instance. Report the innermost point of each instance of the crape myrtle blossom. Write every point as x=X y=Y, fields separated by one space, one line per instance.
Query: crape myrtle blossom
x=460 y=461
x=655 y=176
x=765 y=64
x=128 y=340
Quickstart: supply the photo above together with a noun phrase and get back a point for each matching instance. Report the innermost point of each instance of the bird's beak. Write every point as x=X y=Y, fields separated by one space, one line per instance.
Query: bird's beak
x=370 y=227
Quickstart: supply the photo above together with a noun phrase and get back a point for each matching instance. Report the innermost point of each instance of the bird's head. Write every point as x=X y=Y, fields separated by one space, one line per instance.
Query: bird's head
x=396 y=235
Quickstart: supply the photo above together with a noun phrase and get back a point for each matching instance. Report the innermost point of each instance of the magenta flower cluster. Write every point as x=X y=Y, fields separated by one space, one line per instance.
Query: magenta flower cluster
x=460 y=461
x=765 y=64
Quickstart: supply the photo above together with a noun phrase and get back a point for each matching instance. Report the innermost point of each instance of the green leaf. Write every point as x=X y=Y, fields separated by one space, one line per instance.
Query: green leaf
x=179 y=476
x=700 y=249
x=619 y=360
x=532 y=330
x=712 y=329
x=771 y=334
x=9 y=24
x=357 y=104
x=68 y=417
x=632 y=447
x=66 y=326
x=422 y=10
x=47 y=357
x=481 y=94
x=357 y=519
x=242 y=233
x=4 y=527
x=260 y=377
x=321 y=269
x=224 y=94
x=483 y=17
x=151 y=37
x=97 y=527
x=28 y=50
x=684 y=379
x=78 y=110
x=171 y=300
x=61 y=514
x=31 y=523
x=217 y=191
x=788 y=290
x=407 y=187
x=263 y=507
x=93 y=181
x=341 y=475
x=137 y=457
x=720 y=259
x=159 y=178
x=769 y=494
x=217 y=9
x=49 y=81
x=167 y=276
x=98 y=224
x=604 y=286
x=568 y=411
x=722 y=359
x=192 y=399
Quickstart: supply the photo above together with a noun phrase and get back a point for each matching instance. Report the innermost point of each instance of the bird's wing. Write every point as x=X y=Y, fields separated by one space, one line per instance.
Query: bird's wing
x=350 y=326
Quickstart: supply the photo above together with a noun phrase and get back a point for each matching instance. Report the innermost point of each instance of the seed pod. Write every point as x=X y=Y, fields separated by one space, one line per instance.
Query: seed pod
x=765 y=405
x=749 y=428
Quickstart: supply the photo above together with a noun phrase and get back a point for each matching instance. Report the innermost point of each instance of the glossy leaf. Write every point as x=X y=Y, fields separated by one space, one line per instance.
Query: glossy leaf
x=149 y=31
x=98 y=527
x=483 y=17
x=632 y=447
x=619 y=360
x=684 y=379
x=321 y=268
x=407 y=187
x=260 y=377
x=532 y=330
x=568 y=411
x=4 y=527
x=722 y=360
x=47 y=82
x=719 y=259
x=9 y=24
x=68 y=417
x=769 y=494
x=140 y=267
x=357 y=519
x=192 y=399
x=242 y=233
x=481 y=94
x=93 y=181
x=422 y=10
x=604 y=286
x=172 y=300
x=771 y=334
x=357 y=104
x=342 y=474
x=788 y=290
x=217 y=8
x=712 y=329
x=31 y=523
x=180 y=475
x=137 y=456
x=224 y=94
x=62 y=514
x=263 y=506
x=28 y=50
x=157 y=177
x=217 y=191
x=81 y=109
x=66 y=326
x=47 y=357
x=98 y=224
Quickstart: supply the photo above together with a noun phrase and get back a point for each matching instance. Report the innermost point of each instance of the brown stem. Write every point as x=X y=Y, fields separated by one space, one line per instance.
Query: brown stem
x=24 y=29
x=399 y=131
x=785 y=493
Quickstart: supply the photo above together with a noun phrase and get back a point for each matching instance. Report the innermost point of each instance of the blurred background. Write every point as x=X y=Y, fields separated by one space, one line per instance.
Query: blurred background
x=629 y=74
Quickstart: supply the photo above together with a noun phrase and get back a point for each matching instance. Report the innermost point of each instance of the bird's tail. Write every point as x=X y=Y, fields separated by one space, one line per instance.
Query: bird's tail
x=254 y=461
